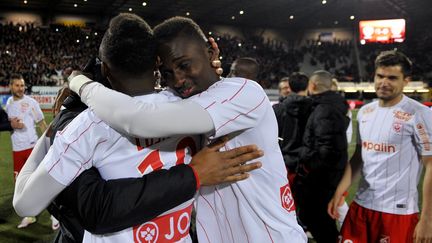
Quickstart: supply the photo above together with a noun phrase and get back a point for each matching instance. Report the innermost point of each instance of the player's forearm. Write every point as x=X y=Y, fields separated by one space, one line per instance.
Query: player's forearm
x=33 y=184
x=426 y=213
x=42 y=126
x=110 y=206
x=139 y=119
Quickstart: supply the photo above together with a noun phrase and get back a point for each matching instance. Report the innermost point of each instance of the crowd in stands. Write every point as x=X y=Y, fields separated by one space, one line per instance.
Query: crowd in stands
x=43 y=54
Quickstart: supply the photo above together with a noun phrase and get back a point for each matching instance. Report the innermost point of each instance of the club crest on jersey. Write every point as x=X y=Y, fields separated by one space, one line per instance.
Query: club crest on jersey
x=397 y=127
x=24 y=107
x=368 y=110
x=384 y=239
x=401 y=115
x=146 y=233
x=287 y=198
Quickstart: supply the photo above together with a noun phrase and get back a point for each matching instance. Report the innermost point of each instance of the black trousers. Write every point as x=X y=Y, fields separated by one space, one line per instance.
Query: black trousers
x=312 y=201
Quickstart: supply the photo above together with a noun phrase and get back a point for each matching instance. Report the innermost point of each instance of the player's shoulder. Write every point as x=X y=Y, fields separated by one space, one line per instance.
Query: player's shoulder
x=414 y=106
x=368 y=108
x=239 y=87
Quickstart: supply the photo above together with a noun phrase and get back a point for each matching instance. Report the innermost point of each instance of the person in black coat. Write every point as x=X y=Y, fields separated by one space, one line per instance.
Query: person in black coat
x=323 y=157
x=292 y=114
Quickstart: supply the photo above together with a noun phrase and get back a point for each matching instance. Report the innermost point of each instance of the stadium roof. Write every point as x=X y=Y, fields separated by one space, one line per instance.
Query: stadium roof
x=256 y=13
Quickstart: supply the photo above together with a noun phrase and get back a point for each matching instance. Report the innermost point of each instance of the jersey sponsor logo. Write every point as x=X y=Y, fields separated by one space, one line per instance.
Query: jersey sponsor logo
x=379 y=147
x=167 y=228
x=397 y=127
x=401 y=115
x=287 y=198
x=423 y=136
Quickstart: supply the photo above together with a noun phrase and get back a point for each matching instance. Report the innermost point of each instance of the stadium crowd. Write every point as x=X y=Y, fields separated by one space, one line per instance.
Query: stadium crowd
x=43 y=54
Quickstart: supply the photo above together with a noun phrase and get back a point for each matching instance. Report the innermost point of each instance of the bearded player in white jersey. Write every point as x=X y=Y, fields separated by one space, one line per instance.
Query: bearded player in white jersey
x=394 y=144
x=260 y=209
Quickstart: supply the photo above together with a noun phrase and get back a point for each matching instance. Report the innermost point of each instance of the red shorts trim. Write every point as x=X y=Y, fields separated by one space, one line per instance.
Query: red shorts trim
x=364 y=225
x=19 y=158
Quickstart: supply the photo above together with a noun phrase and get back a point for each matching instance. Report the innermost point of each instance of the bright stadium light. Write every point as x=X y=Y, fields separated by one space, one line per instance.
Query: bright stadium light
x=144 y=4
x=352 y=17
x=25 y=1
x=232 y=17
x=130 y=9
x=75 y=5
x=210 y=33
x=241 y=12
x=95 y=33
x=87 y=37
x=187 y=13
x=324 y=2
x=240 y=44
x=291 y=16
x=56 y=29
x=77 y=41
x=220 y=58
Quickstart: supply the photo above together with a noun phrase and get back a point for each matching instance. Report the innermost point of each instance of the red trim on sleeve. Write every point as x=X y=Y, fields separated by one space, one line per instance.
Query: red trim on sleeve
x=198 y=183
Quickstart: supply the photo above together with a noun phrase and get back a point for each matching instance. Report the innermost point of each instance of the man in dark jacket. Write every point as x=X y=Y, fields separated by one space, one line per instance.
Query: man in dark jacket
x=323 y=157
x=292 y=114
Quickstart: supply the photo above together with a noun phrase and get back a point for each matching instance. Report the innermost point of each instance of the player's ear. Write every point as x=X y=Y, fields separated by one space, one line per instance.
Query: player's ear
x=104 y=70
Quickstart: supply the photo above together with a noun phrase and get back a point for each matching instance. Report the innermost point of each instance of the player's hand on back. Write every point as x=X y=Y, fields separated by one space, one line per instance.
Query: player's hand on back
x=61 y=96
x=214 y=167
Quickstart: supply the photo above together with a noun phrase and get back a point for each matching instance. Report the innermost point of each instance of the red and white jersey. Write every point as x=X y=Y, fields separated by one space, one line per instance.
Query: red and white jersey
x=87 y=141
x=261 y=208
x=28 y=111
x=393 y=139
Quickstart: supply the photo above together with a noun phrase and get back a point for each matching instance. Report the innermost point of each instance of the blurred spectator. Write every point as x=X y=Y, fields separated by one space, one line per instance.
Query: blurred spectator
x=284 y=88
x=245 y=67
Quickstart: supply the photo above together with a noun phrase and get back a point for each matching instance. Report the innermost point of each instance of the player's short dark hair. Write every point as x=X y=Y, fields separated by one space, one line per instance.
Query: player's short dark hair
x=394 y=58
x=298 y=81
x=173 y=27
x=15 y=76
x=128 y=44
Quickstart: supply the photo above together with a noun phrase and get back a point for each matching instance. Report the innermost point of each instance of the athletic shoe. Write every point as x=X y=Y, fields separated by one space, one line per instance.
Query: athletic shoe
x=55 y=224
x=26 y=221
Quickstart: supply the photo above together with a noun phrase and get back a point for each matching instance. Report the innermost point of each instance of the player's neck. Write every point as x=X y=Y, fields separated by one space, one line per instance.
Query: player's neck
x=136 y=85
x=390 y=103
x=16 y=98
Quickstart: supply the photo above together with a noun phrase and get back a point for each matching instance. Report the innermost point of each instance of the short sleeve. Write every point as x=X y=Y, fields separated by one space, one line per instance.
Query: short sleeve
x=74 y=148
x=234 y=104
x=423 y=131
x=37 y=111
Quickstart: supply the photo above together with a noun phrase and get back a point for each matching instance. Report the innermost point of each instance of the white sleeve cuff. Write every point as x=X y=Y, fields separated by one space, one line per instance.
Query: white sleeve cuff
x=77 y=82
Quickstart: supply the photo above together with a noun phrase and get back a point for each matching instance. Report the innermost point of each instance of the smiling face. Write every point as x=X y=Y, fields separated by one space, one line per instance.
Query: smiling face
x=186 y=65
x=389 y=83
x=17 y=88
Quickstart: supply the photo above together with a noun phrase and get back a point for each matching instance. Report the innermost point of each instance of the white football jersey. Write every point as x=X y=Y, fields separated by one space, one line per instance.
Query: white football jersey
x=261 y=208
x=28 y=111
x=393 y=139
x=87 y=141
